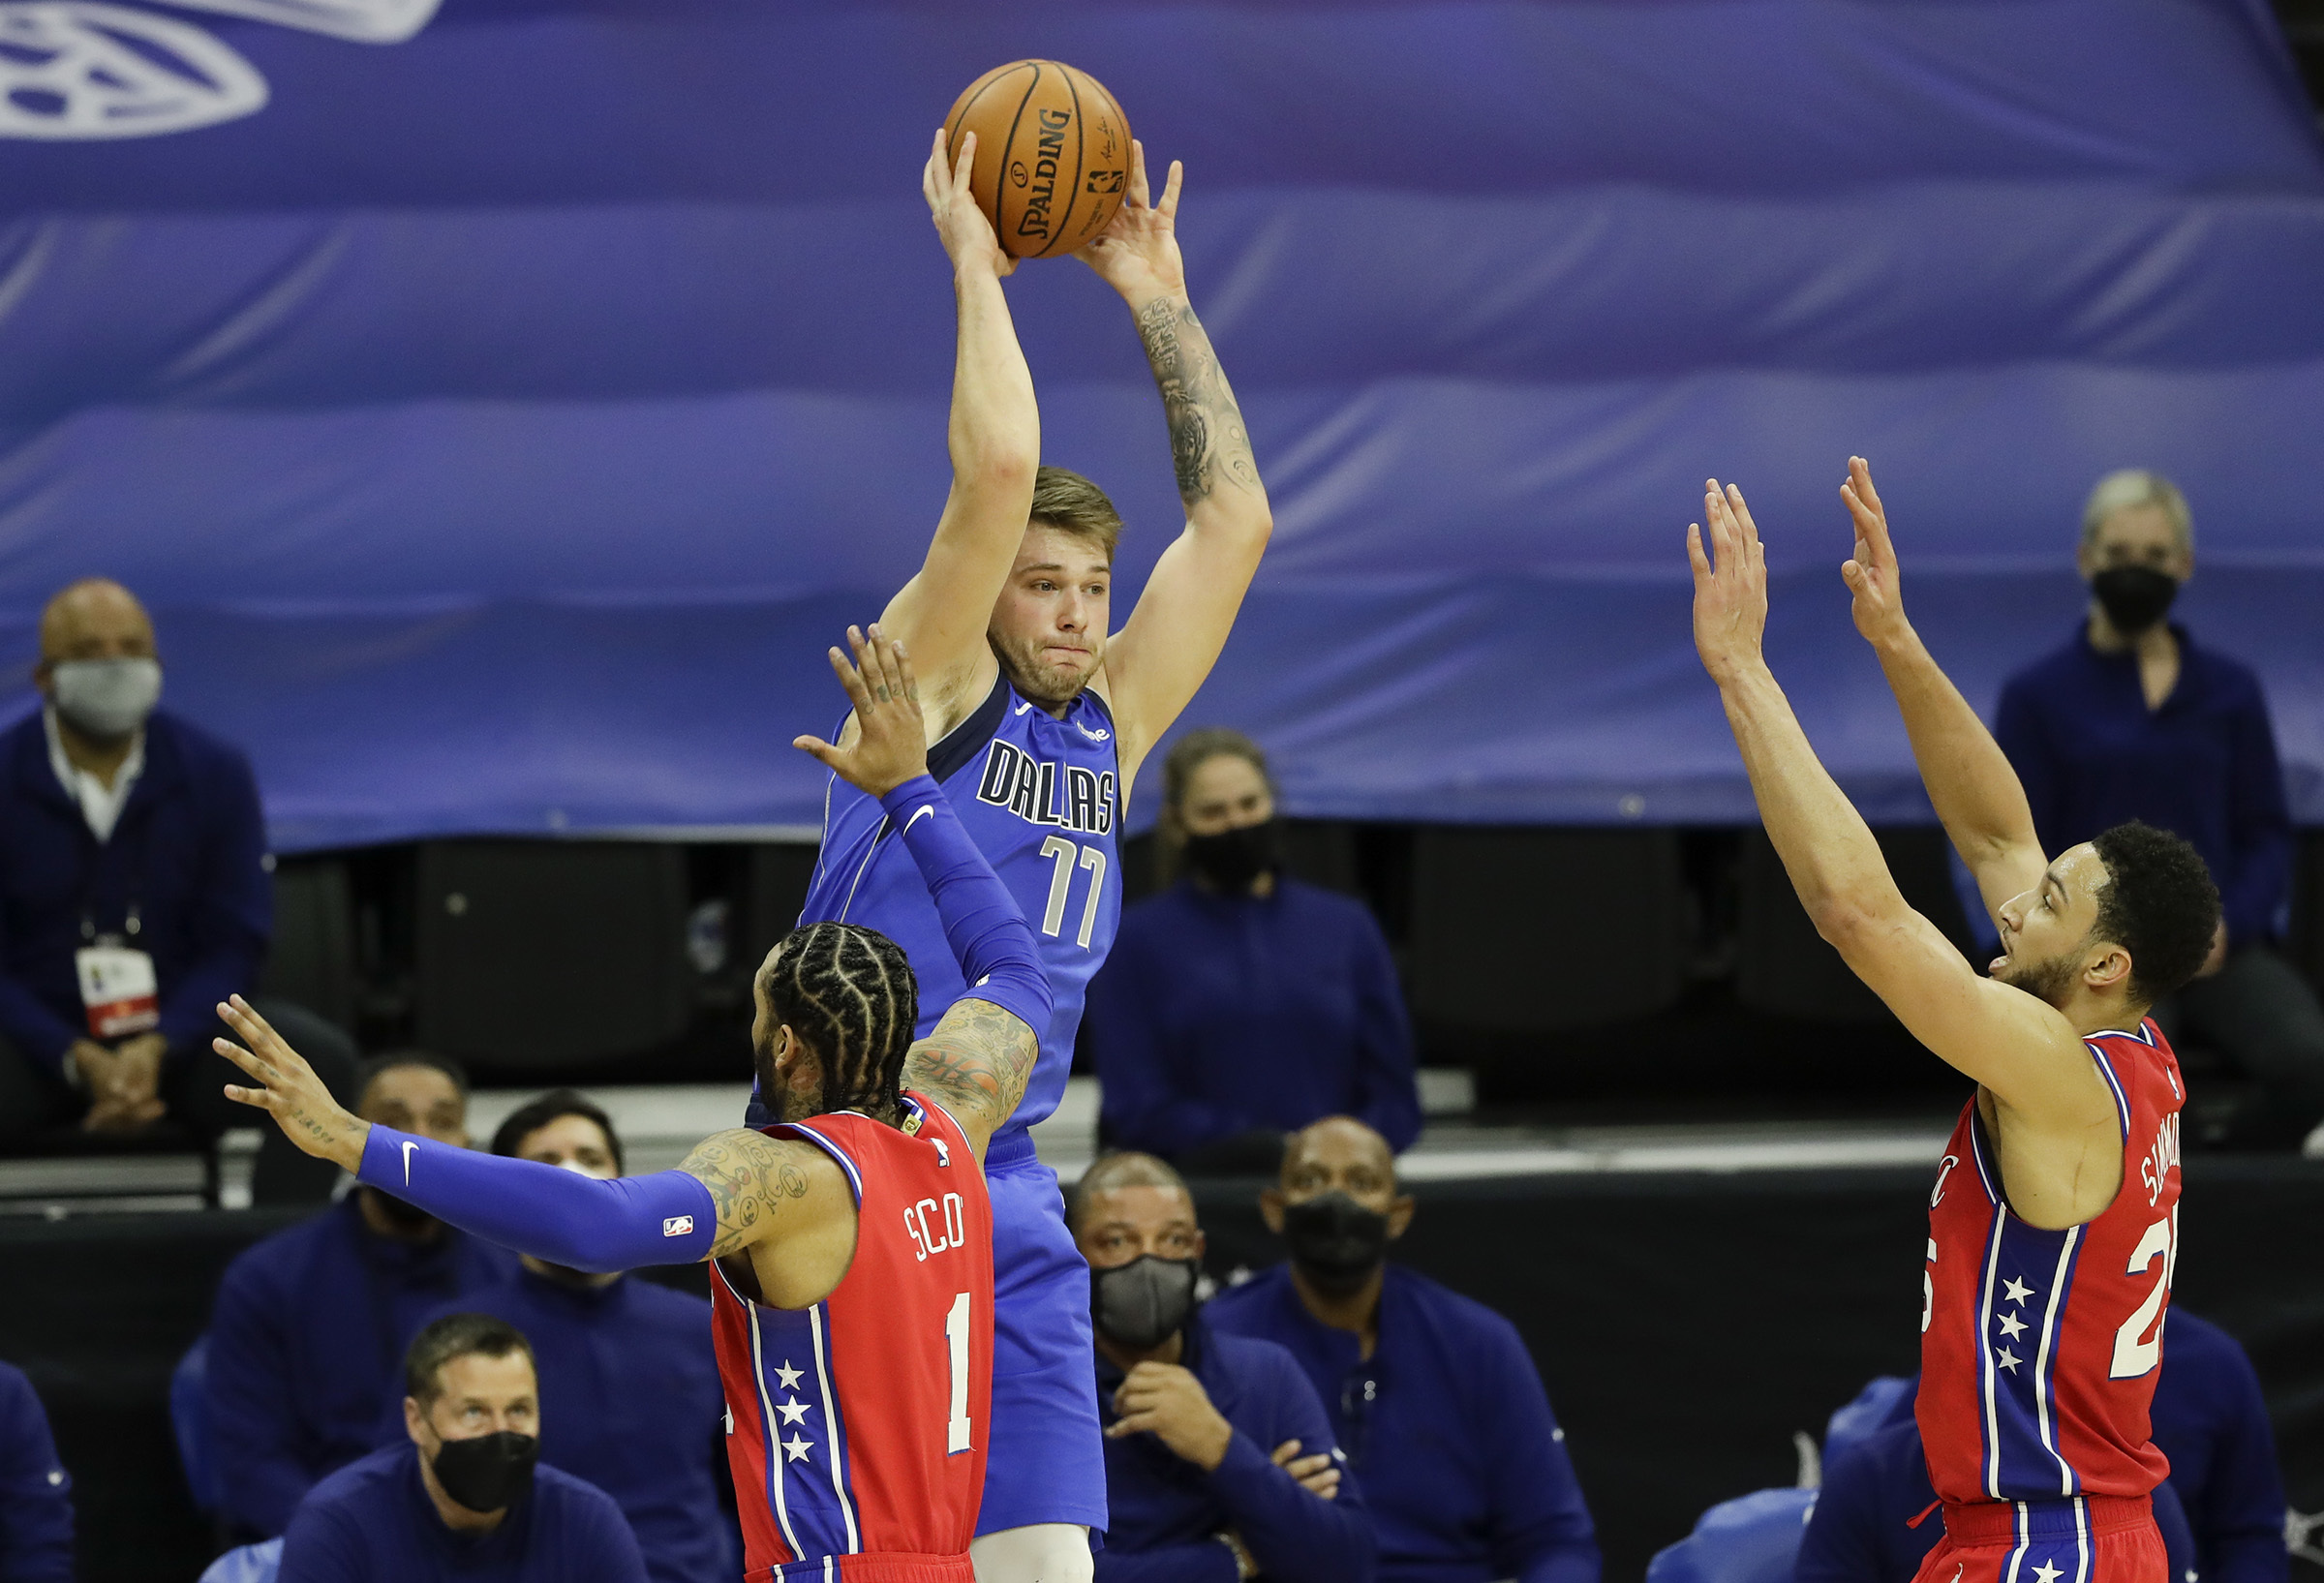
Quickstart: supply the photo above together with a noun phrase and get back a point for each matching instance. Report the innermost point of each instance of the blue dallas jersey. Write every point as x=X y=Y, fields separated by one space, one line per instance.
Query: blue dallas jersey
x=1041 y=799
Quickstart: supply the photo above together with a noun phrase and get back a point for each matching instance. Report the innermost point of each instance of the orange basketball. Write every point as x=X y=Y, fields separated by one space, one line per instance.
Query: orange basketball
x=1053 y=154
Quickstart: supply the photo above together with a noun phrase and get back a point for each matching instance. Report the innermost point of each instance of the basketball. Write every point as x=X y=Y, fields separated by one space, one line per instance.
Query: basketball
x=1053 y=154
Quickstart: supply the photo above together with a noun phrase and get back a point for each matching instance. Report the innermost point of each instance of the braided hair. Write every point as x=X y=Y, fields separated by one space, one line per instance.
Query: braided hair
x=848 y=991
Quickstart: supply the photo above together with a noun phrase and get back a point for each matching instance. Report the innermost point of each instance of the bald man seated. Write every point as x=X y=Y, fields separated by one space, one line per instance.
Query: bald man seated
x=134 y=897
x=1433 y=1396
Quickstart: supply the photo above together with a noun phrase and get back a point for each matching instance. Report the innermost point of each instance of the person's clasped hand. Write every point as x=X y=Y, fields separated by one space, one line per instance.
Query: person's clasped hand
x=1169 y=1402
x=124 y=1082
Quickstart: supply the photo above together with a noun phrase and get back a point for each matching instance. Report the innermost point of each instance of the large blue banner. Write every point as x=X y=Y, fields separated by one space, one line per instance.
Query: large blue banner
x=501 y=405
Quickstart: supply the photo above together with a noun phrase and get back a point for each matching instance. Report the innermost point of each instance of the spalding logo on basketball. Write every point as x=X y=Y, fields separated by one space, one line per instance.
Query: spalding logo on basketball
x=1063 y=143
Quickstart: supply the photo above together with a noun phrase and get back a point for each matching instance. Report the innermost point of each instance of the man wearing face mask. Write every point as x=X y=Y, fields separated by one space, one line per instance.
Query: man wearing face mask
x=463 y=1494
x=1219 y=1461
x=2133 y=720
x=306 y=1338
x=134 y=895
x=1433 y=1396
x=1242 y=1003
x=630 y=1396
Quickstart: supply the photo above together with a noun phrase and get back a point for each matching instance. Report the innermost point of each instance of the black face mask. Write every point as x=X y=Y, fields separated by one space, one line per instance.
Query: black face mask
x=1143 y=1304
x=1234 y=858
x=487 y=1473
x=1336 y=1241
x=2134 y=597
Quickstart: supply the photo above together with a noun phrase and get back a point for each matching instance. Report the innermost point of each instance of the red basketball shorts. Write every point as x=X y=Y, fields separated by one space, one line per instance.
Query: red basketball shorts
x=2094 y=1539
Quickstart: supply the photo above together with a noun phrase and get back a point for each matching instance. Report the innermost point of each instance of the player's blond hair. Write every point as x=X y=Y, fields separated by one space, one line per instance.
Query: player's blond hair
x=1064 y=500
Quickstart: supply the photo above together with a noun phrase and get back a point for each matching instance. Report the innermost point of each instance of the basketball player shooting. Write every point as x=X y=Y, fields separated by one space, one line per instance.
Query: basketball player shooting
x=2053 y=1226
x=851 y=1240
x=1041 y=716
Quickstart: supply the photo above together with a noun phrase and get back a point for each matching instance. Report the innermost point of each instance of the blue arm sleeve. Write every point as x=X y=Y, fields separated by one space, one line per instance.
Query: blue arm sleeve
x=562 y=1216
x=999 y=960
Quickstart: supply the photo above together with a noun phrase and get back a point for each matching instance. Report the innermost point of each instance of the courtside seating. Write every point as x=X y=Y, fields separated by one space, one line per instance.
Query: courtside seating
x=550 y=954
x=1522 y=930
x=313 y=959
x=1783 y=967
x=1754 y=1540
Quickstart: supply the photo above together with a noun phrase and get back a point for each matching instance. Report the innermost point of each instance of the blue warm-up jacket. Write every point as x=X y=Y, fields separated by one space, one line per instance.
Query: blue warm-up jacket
x=190 y=852
x=1464 y=1468
x=372 y=1522
x=1165 y=1511
x=1219 y=1015
x=306 y=1349
x=36 y=1493
x=629 y=1401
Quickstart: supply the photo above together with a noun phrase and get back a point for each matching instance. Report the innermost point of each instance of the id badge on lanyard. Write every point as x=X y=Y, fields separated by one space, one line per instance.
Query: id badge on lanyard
x=118 y=987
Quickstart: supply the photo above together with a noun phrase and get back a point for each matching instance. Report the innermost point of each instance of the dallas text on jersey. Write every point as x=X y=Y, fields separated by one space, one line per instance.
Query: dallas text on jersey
x=1028 y=788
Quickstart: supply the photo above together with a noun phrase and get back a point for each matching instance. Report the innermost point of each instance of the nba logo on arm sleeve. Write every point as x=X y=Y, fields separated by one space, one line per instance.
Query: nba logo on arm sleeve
x=678 y=1226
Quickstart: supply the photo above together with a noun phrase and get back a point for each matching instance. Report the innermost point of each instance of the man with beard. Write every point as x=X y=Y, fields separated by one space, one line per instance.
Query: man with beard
x=1041 y=714
x=2053 y=1226
x=460 y=1493
x=2131 y=719
x=1433 y=1396
x=1219 y=1464
x=307 y=1332
x=851 y=1240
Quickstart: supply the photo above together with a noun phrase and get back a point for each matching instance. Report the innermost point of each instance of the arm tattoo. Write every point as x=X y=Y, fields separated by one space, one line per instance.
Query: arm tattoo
x=745 y=1172
x=975 y=1063
x=1207 y=436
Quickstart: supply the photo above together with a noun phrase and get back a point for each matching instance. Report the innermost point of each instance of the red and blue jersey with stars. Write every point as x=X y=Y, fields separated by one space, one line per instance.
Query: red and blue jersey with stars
x=857 y=1428
x=2039 y=1350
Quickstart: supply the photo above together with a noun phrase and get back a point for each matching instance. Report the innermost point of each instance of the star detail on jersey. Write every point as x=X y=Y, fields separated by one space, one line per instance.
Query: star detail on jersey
x=788 y=1375
x=2012 y=1326
x=2008 y=1359
x=2049 y=1573
x=794 y=1409
x=795 y=1449
x=2017 y=1291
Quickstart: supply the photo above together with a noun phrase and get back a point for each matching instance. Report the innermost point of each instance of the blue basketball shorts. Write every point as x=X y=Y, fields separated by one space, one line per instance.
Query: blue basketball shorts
x=1047 y=1463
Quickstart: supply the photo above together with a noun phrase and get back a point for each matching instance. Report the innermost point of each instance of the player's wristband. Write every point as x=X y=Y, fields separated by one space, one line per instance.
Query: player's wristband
x=999 y=960
x=562 y=1216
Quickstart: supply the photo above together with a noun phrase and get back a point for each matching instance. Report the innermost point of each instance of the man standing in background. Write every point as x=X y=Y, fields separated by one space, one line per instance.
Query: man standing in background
x=2131 y=719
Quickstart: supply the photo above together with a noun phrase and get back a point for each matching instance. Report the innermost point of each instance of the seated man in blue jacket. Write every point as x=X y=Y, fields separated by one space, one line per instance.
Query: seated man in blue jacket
x=2221 y=1511
x=36 y=1493
x=134 y=897
x=460 y=1494
x=630 y=1393
x=1435 y=1396
x=1219 y=1461
x=306 y=1336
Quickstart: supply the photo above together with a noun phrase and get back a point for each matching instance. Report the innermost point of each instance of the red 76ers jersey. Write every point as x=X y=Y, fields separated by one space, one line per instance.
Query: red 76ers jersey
x=858 y=1427
x=2039 y=1350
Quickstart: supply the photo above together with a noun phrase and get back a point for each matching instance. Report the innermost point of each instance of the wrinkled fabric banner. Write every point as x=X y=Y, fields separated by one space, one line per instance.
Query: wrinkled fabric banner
x=501 y=405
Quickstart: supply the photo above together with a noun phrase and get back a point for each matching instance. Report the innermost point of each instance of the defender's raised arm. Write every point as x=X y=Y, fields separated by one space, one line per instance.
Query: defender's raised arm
x=1975 y=792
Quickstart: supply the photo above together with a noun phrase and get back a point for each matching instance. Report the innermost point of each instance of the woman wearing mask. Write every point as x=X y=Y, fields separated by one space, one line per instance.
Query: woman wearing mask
x=1240 y=1003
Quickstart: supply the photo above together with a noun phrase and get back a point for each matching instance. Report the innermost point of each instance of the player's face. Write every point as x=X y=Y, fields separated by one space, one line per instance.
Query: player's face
x=2046 y=932
x=1127 y=1223
x=1049 y=628
x=2137 y=535
x=1226 y=792
x=570 y=1140
x=793 y=1093
x=418 y=1100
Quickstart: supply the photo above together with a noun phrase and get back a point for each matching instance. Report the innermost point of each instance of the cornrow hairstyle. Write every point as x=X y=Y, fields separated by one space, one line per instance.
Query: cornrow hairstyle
x=849 y=992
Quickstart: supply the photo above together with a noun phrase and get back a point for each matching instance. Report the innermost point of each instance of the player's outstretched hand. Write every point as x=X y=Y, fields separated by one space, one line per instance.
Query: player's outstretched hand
x=1731 y=585
x=1871 y=573
x=291 y=1092
x=891 y=740
x=966 y=233
x=1137 y=254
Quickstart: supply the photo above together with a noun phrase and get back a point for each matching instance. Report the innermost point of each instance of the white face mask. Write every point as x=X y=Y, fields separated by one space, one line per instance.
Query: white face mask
x=106 y=698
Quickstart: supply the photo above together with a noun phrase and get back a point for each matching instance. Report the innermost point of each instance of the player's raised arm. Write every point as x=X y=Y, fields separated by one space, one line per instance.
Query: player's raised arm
x=2016 y=1044
x=1976 y=794
x=994 y=438
x=1159 y=659
x=739 y=1190
x=976 y=1060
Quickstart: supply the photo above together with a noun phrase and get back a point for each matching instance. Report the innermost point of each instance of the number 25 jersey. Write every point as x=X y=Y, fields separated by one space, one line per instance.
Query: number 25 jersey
x=2039 y=1348
x=857 y=1428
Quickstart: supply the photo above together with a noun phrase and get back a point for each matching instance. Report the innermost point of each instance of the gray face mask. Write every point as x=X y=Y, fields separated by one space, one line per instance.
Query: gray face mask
x=106 y=698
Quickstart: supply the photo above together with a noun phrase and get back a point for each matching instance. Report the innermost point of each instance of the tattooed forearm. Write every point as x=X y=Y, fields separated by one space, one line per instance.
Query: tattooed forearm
x=975 y=1063
x=1207 y=441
